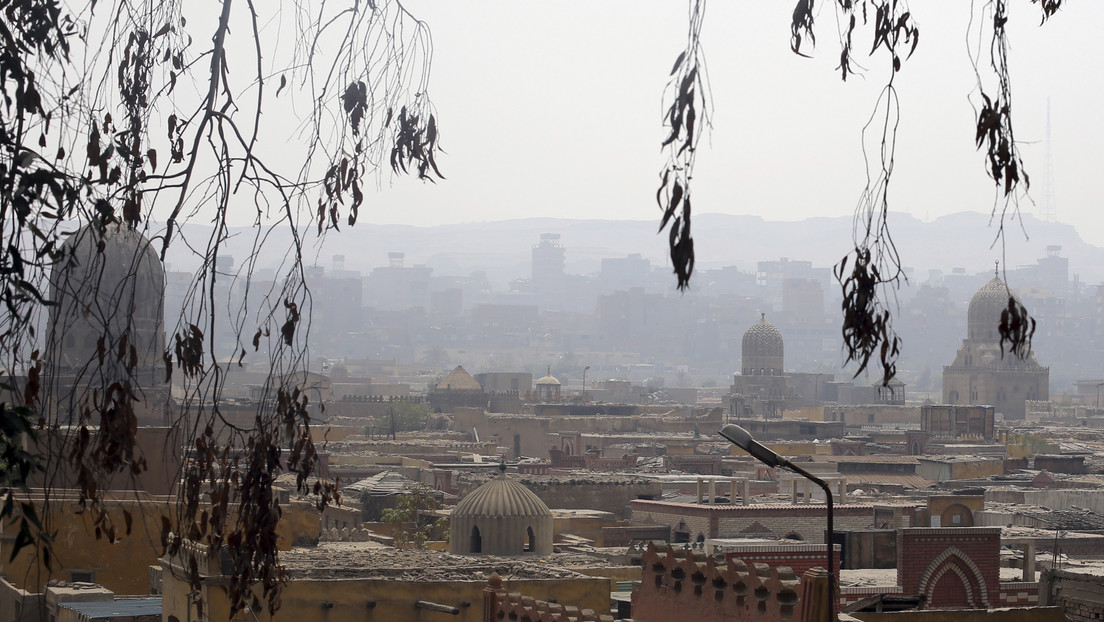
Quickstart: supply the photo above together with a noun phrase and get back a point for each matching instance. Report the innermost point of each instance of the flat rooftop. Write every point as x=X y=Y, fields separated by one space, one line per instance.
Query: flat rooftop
x=369 y=560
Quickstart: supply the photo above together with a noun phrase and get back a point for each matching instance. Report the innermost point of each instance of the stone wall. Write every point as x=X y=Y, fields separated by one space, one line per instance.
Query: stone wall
x=1092 y=499
x=1081 y=596
x=18 y=605
x=877 y=414
x=580 y=493
x=805 y=522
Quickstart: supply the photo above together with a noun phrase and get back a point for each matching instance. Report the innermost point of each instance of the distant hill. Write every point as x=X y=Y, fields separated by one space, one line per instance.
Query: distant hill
x=503 y=248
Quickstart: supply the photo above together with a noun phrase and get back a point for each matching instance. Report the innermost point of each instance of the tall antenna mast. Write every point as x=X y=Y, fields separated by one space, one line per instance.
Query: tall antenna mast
x=1048 y=177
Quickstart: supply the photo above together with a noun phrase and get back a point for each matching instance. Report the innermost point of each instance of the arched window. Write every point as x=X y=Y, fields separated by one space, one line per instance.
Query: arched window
x=530 y=541
x=476 y=541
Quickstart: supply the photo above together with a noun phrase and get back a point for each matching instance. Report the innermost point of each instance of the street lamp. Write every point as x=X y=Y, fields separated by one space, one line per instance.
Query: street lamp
x=584 y=381
x=742 y=439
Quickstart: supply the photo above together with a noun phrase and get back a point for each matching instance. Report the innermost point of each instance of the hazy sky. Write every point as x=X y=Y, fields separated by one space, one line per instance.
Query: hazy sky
x=553 y=109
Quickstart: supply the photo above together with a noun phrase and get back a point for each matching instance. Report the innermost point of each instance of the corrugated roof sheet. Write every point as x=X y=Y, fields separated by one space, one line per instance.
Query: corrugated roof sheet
x=130 y=607
x=386 y=483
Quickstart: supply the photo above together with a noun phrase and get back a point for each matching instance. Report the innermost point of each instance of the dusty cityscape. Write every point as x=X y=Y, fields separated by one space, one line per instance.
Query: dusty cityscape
x=398 y=311
x=600 y=489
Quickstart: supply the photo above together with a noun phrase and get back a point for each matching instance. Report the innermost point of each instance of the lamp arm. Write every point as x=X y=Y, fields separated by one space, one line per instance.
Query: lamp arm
x=831 y=547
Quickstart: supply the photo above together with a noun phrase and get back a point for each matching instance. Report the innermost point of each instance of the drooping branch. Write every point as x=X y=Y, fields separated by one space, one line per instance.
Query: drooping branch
x=688 y=114
x=996 y=137
x=141 y=137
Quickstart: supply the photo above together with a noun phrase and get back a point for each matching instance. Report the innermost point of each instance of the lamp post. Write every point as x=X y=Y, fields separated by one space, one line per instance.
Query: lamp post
x=584 y=382
x=742 y=439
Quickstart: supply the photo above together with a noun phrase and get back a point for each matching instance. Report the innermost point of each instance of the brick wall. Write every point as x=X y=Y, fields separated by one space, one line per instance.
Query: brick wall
x=952 y=567
x=677 y=585
x=536 y=468
x=1016 y=594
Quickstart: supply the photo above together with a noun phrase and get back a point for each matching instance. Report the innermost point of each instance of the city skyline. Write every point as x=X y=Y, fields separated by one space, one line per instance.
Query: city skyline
x=786 y=138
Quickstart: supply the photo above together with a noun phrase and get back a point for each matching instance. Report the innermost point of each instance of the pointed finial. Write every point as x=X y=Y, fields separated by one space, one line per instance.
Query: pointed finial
x=763 y=316
x=996 y=268
x=502 y=466
x=549 y=370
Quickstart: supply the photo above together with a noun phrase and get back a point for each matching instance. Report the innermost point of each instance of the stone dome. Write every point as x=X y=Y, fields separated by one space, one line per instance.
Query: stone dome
x=762 y=349
x=503 y=496
x=501 y=517
x=983 y=317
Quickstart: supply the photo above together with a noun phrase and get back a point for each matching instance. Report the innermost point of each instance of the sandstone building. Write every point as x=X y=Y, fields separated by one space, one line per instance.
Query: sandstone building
x=981 y=373
x=761 y=390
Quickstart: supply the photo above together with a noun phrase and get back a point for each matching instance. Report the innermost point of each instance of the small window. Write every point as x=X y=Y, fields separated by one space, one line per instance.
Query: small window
x=82 y=576
x=476 y=541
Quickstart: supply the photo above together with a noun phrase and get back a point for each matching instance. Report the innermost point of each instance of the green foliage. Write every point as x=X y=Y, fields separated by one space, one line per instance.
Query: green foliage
x=409 y=532
x=407 y=417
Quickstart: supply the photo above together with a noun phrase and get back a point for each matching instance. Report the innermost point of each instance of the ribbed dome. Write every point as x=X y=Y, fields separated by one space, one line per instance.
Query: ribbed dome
x=983 y=317
x=762 y=349
x=763 y=339
x=503 y=496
